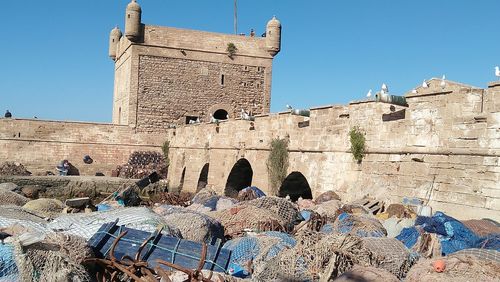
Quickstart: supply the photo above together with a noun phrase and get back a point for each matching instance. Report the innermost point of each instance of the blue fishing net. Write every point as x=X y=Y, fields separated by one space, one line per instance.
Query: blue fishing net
x=8 y=268
x=245 y=249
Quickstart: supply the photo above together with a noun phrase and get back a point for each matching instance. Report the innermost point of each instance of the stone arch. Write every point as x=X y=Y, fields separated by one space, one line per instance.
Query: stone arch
x=181 y=182
x=295 y=185
x=203 y=179
x=239 y=178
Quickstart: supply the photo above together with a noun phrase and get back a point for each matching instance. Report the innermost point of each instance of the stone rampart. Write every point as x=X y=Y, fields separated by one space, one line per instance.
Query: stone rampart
x=444 y=148
x=40 y=145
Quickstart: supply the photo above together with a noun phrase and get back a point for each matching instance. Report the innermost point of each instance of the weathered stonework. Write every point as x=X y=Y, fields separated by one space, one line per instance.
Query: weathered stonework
x=172 y=89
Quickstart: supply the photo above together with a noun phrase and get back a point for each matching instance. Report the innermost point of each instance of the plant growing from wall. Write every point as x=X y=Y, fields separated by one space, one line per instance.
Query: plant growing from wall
x=231 y=49
x=277 y=163
x=166 y=148
x=357 y=138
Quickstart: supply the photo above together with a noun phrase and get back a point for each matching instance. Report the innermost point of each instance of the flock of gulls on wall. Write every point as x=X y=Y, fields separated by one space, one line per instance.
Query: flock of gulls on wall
x=384 y=89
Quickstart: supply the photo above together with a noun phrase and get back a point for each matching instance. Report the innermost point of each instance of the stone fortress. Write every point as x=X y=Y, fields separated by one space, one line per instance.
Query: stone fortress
x=166 y=76
x=443 y=147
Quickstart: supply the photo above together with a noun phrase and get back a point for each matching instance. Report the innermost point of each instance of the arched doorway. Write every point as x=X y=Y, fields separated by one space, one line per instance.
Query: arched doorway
x=203 y=180
x=239 y=178
x=295 y=185
x=181 y=183
x=221 y=114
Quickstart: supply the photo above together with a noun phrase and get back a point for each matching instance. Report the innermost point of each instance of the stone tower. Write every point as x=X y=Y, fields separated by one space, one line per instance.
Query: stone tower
x=166 y=76
x=114 y=39
x=133 y=26
x=273 y=36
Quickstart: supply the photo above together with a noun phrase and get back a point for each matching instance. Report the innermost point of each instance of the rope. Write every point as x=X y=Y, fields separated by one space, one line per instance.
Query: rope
x=174 y=252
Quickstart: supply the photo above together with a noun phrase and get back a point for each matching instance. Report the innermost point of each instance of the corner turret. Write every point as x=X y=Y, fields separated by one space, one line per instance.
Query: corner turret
x=273 y=36
x=133 y=26
x=114 y=39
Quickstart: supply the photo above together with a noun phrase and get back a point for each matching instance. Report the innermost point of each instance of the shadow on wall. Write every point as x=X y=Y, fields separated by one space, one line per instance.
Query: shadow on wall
x=239 y=178
x=203 y=180
x=295 y=185
x=181 y=183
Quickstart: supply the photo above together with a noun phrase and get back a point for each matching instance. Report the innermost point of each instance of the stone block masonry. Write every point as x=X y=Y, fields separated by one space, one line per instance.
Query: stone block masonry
x=172 y=89
x=41 y=145
x=443 y=149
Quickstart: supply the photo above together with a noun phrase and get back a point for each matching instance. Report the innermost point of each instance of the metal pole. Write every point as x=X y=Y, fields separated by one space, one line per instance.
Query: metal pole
x=235 y=17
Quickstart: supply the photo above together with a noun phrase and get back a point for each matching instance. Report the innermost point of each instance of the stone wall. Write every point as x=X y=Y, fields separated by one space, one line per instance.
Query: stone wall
x=177 y=73
x=41 y=145
x=444 y=148
x=172 y=89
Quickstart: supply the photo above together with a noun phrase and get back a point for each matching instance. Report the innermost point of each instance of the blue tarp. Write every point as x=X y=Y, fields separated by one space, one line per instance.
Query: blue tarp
x=453 y=235
x=259 y=193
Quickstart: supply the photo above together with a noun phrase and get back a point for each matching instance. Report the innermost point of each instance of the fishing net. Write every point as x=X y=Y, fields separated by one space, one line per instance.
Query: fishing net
x=457 y=268
x=11 y=198
x=326 y=197
x=482 y=254
x=13 y=168
x=482 y=227
x=203 y=195
x=359 y=225
x=193 y=225
x=9 y=186
x=283 y=208
x=329 y=209
x=12 y=215
x=250 y=254
x=141 y=164
x=367 y=274
x=86 y=225
x=315 y=256
x=391 y=255
x=58 y=257
x=46 y=207
x=238 y=219
x=250 y=193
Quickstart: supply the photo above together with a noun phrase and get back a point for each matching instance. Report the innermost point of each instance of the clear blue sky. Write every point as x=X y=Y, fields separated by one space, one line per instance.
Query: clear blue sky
x=54 y=63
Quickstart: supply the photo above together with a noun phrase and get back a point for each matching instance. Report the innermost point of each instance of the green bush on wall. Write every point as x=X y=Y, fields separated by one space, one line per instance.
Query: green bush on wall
x=277 y=163
x=357 y=138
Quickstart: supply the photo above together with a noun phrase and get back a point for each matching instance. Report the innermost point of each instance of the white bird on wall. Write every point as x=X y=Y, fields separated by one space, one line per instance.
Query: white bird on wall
x=425 y=85
x=385 y=89
x=443 y=82
x=497 y=72
x=414 y=91
x=289 y=107
x=369 y=94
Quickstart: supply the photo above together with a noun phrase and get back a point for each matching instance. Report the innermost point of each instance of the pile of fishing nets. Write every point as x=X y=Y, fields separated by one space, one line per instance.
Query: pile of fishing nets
x=457 y=267
x=250 y=193
x=359 y=225
x=13 y=168
x=326 y=197
x=87 y=224
x=141 y=164
x=287 y=211
x=193 y=225
x=46 y=207
x=453 y=235
x=367 y=274
x=11 y=198
x=250 y=254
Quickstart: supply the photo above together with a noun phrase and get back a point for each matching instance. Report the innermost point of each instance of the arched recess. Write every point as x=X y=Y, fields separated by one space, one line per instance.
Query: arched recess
x=181 y=183
x=295 y=185
x=221 y=114
x=203 y=180
x=239 y=178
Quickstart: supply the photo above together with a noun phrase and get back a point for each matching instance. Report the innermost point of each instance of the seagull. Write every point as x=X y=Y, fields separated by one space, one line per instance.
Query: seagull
x=289 y=107
x=443 y=82
x=414 y=91
x=244 y=115
x=497 y=72
x=369 y=94
x=385 y=89
x=425 y=85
